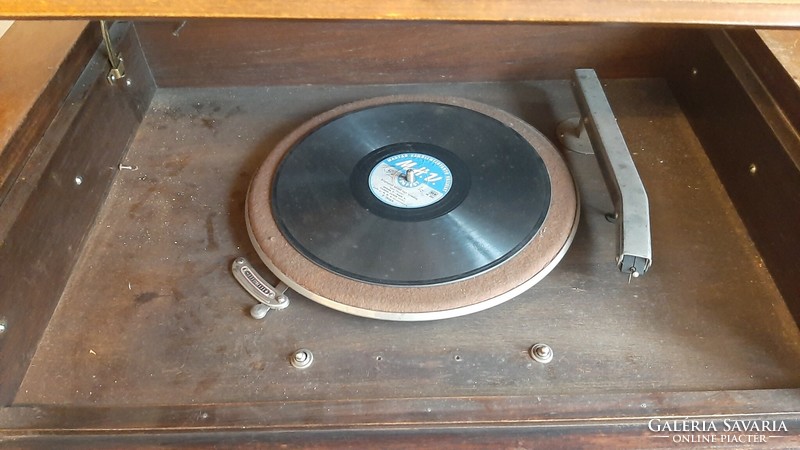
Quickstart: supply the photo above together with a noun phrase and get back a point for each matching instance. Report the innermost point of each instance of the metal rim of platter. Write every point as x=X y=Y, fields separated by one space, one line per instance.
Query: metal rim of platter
x=315 y=272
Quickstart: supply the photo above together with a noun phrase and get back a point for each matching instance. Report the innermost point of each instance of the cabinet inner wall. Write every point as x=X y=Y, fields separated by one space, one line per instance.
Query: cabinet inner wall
x=221 y=53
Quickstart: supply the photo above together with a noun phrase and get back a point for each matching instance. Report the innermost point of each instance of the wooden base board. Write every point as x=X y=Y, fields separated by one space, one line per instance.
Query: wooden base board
x=566 y=421
x=152 y=314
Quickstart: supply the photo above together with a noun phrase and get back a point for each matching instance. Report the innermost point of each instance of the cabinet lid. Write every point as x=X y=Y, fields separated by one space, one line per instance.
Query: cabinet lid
x=779 y=13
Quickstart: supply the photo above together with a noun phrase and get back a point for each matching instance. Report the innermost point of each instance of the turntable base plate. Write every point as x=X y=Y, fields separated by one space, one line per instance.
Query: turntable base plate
x=182 y=332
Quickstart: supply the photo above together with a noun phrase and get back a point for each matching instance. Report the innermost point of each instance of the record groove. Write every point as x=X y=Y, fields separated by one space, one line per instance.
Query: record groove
x=326 y=206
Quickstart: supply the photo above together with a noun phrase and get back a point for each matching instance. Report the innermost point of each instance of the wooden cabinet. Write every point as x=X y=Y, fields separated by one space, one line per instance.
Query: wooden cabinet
x=122 y=209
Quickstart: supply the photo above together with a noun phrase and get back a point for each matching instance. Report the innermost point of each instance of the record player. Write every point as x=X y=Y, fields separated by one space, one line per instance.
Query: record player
x=423 y=207
x=468 y=228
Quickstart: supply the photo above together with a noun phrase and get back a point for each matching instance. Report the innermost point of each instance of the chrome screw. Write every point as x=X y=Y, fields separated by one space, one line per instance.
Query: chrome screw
x=3 y=325
x=541 y=353
x=78 y=180
x=302 y=358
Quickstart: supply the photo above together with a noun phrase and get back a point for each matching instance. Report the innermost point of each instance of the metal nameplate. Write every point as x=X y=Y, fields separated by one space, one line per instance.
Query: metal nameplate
x=256 y=286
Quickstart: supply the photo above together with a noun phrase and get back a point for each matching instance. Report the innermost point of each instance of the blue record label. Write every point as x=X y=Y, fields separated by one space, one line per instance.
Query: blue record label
x=410 y=180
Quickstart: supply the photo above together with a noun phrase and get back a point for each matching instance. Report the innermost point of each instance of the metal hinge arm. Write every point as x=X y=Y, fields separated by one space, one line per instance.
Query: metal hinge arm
x=117 y=71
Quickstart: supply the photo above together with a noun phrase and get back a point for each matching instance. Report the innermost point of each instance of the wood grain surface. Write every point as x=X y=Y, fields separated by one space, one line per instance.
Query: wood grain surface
x=785 y=46
x=561 y=421
x=203 y=53
x=152 y=315
x=33 y=84
x=773 y=56
x=741 y=111
x=51 y=212
x=713 y=12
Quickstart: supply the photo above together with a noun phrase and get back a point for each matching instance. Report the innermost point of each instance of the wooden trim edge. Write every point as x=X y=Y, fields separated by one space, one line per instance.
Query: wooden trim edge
x=567 y=417
x=772 y=13
x=40 y=84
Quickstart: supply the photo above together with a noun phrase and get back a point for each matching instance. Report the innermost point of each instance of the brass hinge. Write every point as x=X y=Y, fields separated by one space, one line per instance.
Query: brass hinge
x=117 y=71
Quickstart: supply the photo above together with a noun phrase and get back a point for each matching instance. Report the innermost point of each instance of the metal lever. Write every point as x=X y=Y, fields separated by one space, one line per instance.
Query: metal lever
x=631 y=207
x=267 y=295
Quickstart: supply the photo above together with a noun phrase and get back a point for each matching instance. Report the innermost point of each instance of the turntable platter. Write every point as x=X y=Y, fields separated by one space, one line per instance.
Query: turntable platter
x=412 y=208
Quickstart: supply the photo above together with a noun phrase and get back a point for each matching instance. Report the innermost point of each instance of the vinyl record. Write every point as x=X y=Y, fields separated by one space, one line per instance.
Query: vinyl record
x=412 y=208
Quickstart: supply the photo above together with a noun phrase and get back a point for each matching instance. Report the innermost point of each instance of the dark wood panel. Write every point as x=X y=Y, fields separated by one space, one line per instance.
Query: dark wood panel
x=583 y=421
x=783 y=45
x=432 y=412
x=164 y=322
x=262 y=53
x=618 y=436
x=717 y=12
x=754 y=147
x=35 y=83
x=41 y=246
x=777 y=66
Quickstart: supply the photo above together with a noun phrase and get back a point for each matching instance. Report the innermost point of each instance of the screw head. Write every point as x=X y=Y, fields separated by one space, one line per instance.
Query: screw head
x=3 y=325
x=302 y=358
x=541 y=353
x=78 y=180
x=752 y=169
